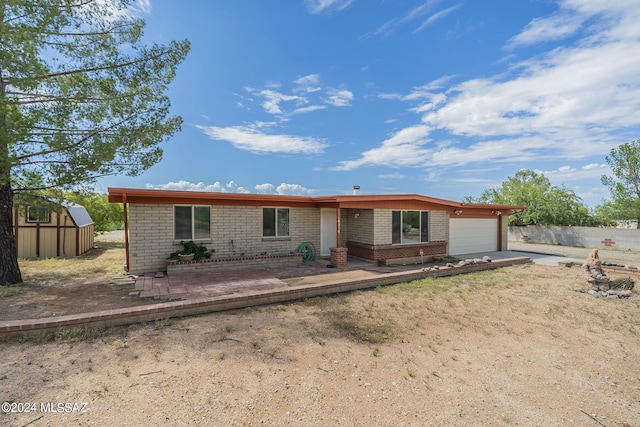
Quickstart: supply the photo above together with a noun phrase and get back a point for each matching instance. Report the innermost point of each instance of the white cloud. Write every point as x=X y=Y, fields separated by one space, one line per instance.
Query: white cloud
x=265 y=188
x=394 y=175
x=233 y=187
x=591 y=166
x=389 y=26
x=326 y=6
x=272 y=100
x=309 y=83
x=339 y=98
x=570 y=103
x=248 y=138
x=404 y=148
x=309 y=95
x=308 y=109
x=554 y=27
x=591 y=171
x=436 y=17
x=216 y=187
x=283 y=189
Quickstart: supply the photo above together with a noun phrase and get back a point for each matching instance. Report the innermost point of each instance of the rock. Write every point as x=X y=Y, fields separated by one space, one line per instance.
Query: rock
x=450 y=264
x=625 y=294
x=578 y=290
x=595 y=294
x=469 y=261
x=486 y=258
x=477 y=261
x=461 y=263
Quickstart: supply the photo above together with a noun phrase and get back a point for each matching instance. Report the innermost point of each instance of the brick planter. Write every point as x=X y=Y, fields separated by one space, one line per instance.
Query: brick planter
x=338 y=257
x=235 y=263
x=382 y=253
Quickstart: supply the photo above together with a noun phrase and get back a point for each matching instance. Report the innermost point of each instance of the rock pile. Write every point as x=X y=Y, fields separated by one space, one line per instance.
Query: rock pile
x=600 y=284
x=597 y=279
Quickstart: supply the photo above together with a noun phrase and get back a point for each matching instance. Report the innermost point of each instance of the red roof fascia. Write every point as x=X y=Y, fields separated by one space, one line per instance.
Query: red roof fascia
x=380 y=201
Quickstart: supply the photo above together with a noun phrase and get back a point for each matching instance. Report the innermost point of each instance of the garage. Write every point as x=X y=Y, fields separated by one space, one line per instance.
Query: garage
x=473 y=235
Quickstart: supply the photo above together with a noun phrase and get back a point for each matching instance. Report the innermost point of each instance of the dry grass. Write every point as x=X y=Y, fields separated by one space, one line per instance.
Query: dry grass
x=105 y=259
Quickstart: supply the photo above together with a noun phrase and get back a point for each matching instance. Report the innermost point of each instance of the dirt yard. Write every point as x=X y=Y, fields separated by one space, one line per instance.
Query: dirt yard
x=515 y=346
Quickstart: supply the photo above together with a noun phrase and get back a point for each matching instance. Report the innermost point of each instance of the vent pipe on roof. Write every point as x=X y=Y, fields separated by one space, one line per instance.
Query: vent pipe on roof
x=356 y=190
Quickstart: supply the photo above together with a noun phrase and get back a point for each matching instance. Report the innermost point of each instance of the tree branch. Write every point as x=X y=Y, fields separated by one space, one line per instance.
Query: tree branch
x=76 y=144
x=92 y=69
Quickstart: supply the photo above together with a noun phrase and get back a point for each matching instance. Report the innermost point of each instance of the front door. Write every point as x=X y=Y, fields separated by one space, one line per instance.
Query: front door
x=328 y=230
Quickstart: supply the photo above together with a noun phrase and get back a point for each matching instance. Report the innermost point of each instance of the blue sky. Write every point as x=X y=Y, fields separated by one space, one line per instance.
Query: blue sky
x=437 y=97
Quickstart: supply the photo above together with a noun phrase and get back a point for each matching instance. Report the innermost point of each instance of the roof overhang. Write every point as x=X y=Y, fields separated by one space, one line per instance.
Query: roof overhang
x=380 y=201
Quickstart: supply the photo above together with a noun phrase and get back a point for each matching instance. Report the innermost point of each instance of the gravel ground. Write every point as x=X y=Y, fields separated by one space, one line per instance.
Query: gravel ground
x=611 y=255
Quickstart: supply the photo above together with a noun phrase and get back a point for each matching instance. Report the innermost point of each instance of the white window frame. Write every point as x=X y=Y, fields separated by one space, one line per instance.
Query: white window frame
x=199 y=239
x=420 y=216
x=45 y=209
x=288 y=226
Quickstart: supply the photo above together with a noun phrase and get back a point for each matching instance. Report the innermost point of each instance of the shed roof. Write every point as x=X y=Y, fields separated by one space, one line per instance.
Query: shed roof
x=79 y=214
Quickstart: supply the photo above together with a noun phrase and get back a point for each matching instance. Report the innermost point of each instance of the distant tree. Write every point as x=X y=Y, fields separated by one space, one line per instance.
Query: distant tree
x=546 y=204
x=625 y=190
x=81 y=97
x=106 y=216
x=606 y=213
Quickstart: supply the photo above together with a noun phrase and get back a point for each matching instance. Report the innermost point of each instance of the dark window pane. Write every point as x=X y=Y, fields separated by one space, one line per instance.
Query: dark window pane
x=424 y=226
x=202 y=222
x=182 y=222
x=268 y=222
x=283 y=221
x=37 y=214
x=396 y=227
x=410 y=227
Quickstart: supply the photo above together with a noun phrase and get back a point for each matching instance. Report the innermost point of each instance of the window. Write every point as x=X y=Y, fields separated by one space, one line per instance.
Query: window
x=275 y=222
x=409 y=227
x=37 y=214
x=192 y=222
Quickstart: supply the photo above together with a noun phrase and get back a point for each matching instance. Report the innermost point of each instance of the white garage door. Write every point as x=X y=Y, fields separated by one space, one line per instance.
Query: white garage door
x=472 y=235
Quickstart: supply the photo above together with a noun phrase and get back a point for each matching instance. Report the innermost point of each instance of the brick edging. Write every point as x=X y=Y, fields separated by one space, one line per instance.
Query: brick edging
x=152 y=312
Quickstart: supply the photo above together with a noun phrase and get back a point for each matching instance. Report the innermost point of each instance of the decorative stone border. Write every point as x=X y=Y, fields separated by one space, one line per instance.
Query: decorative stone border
x=232 y=263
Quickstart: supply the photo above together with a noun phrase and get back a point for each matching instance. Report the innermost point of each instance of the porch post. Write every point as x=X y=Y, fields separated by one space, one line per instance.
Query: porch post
x=500 y=232
x=337 y=227
x=126 y=230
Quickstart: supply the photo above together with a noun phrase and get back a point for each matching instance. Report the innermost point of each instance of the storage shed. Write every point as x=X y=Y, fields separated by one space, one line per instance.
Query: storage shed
x=45 y=232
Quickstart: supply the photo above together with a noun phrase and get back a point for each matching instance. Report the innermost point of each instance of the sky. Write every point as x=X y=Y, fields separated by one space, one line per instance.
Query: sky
x=443 y=98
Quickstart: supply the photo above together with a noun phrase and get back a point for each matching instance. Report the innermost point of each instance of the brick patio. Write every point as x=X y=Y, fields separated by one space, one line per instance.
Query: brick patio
x=189 y=286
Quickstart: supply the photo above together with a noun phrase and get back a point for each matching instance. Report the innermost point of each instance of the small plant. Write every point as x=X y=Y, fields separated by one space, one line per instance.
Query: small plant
x=190 y=247
x=163 y=323
x=623 y=284
x=7 y=291
x=376 y=352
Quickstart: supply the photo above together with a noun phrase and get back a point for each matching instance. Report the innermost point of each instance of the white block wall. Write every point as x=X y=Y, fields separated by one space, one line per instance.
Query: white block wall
x=235 y=230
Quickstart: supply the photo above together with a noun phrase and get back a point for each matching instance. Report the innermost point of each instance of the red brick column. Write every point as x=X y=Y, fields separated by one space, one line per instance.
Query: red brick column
x=338 y=257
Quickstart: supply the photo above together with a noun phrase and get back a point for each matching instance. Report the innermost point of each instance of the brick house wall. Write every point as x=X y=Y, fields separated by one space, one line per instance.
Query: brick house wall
x=235 y=231
x=150 y=236
x=375 y=243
